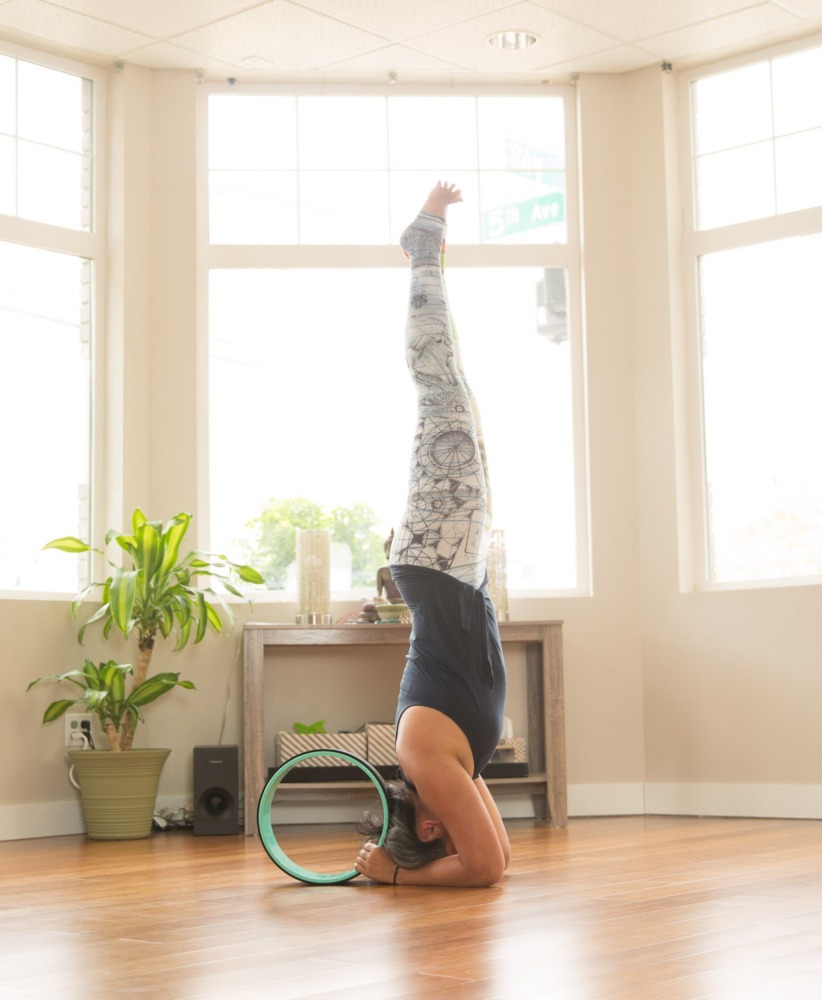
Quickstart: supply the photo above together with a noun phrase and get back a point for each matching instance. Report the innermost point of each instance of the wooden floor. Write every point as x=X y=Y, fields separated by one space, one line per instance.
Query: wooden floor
x=630 y=908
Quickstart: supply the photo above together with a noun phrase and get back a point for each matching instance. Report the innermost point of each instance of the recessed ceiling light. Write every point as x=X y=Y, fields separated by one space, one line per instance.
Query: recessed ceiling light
x=511 y=40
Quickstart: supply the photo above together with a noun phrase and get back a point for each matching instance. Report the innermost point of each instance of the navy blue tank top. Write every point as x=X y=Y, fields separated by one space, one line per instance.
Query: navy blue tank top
x=454 y=663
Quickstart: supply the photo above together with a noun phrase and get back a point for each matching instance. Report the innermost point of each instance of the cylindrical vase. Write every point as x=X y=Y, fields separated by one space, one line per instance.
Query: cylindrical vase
x=313 y=576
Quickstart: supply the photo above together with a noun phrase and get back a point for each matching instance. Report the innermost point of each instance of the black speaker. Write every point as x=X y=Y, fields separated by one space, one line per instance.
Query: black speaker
x=216 y=790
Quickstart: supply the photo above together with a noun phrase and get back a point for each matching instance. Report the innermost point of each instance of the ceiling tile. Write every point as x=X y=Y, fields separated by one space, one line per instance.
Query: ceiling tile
x=803 y=8
x=163 y=55
x=558 y=39
x=315 y=39
x=158 y=18
x=623 y=59
x=733 y=29
x=630 y=20
x=400 y=20
x=289 y=37
x=66 y=27
x=396 y=59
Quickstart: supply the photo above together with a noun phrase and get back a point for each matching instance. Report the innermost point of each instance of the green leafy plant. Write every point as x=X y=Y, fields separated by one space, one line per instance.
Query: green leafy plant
x=315 y=727
x=274 y=544
x=104 y=693
x=155 y=593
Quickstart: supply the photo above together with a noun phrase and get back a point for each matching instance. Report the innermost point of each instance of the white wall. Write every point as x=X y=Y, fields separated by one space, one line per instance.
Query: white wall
x=675 y=701
x=731 y=679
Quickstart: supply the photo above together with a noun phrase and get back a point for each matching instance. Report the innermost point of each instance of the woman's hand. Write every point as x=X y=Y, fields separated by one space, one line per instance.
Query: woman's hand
x=374 y=863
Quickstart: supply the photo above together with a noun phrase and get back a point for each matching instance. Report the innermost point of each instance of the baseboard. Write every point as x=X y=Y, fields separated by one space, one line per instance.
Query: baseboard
x=696 y=799
x=51 y=819
x=607 y=799
x=41 y=819
x=743 y=800
x=57 y=819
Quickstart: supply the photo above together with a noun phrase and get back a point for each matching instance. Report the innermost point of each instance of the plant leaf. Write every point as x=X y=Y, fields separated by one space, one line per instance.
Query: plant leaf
x=72 y=676
x=315 y=727
x=96 y=699
x=166 y=622
x=79 y=598
x=57 y=708
x=68 y=544
x=183 y=633
x=123 y=588
x=91 y=675
x=214 y=619
x=172 y=537
x=113 y=680
x=150 y=553
x=128 y=543
x=156 y=686
x=202 y=618
x=102 y=612
x=248 y=574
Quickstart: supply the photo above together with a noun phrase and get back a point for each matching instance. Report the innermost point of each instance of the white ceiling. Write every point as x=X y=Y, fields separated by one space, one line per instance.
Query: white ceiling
x=421 y=41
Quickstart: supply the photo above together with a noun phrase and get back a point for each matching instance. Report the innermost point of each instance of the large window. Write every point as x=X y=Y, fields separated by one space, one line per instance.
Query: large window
x=311 y=406
x=45 y=144
x=757 y=247
x=47 y=252
x=758 y=140
x=325 y=170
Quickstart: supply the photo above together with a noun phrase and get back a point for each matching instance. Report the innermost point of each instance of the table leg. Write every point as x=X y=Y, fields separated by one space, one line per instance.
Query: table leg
x=555 y=765
x=253 y=749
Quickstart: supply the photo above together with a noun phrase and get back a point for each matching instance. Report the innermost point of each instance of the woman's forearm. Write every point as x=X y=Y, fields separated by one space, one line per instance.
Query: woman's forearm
x=452 y=871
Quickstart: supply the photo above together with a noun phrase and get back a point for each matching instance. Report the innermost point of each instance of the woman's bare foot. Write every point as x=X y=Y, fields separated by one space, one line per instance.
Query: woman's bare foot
x=441 y=196
x=422 y=241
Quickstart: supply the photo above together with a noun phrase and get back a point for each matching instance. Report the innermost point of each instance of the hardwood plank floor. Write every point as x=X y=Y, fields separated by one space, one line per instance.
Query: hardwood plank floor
x=633 y=908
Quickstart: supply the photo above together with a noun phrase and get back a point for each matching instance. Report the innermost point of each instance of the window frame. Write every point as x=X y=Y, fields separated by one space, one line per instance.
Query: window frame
x=695 y=563
x=274 y=256
x=88 y=244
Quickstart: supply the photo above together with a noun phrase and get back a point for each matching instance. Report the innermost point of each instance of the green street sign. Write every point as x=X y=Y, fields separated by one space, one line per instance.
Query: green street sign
x=531 y=214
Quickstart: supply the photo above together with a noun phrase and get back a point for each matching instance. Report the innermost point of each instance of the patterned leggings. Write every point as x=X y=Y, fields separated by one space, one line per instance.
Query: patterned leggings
x=446 y=524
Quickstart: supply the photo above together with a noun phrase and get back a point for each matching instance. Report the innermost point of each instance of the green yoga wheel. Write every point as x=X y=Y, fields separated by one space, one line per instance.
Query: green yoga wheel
x=272 y=847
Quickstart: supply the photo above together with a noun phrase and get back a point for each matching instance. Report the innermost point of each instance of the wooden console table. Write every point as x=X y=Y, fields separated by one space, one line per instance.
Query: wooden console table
x=546 y=782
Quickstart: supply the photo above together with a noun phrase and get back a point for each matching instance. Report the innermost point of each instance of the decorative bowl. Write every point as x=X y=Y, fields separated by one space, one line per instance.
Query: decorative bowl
x=391 y=612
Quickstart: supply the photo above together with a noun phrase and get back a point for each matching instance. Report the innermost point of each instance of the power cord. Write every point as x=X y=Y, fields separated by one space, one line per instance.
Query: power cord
x=177 y=818
x=229 y=679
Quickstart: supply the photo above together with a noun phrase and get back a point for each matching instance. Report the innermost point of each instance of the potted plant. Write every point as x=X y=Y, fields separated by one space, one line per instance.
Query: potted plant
x=155 y=594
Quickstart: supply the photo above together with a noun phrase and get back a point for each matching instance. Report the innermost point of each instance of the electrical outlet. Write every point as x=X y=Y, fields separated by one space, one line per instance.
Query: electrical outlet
x=78 y=724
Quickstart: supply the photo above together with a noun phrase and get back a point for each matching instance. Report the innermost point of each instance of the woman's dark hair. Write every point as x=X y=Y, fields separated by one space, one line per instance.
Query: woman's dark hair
x=401 y=843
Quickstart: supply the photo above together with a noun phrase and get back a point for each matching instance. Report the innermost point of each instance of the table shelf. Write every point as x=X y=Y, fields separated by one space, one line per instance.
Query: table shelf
x=545 y=710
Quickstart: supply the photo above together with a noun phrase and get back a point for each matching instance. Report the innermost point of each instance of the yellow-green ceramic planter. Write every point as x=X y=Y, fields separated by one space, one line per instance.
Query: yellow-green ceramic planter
x=118 y=791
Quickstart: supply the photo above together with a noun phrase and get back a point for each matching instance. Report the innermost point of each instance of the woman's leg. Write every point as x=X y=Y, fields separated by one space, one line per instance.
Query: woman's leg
x=445 y=522
x=474 y=406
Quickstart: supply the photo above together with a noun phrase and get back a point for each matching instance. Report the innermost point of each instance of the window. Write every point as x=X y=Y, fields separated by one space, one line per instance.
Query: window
x=47 y=253
x=45 y=144
x=757 y=247
x=325 y=170
x=758 y=140
x=311 y=407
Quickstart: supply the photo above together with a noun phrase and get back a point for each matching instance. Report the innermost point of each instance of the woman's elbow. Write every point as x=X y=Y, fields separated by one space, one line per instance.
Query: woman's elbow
x=491 y=876
x=489 y=871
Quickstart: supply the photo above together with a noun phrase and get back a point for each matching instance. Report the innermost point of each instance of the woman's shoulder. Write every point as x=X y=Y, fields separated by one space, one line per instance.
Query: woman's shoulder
x=426 y=738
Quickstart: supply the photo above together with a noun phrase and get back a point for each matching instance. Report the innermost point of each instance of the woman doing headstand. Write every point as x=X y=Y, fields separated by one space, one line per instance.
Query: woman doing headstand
x=445 y=827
